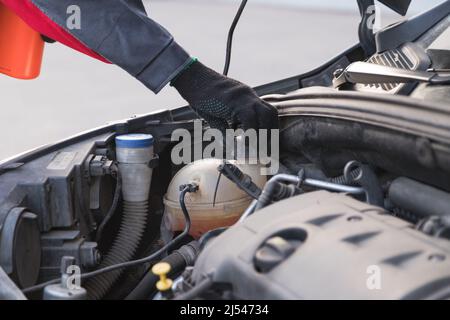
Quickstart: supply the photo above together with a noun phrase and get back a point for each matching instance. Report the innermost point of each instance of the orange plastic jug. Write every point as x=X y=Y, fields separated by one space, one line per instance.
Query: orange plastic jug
x=21 y=48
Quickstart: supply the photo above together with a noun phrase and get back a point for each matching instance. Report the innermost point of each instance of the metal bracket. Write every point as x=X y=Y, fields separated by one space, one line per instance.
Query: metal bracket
x=367 y=179
x=152 y=164
x=99 y=166
x=369 y=73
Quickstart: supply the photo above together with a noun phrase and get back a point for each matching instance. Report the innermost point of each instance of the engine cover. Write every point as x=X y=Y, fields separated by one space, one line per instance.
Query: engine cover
x=324 y=245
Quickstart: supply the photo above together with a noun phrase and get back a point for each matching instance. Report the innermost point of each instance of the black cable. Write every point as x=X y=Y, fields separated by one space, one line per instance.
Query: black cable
x=185 y=189
x=216 y=189
x=113 y=207
x=196 y=291
x=242 y=180
x=230 y=37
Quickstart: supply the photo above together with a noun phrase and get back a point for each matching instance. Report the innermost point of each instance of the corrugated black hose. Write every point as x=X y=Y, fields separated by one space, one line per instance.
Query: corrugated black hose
x=125 y=245
x=178 y=260
x=120 y=266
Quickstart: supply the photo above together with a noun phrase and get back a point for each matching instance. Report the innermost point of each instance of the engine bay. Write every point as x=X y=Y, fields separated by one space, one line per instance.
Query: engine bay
x=363 y=189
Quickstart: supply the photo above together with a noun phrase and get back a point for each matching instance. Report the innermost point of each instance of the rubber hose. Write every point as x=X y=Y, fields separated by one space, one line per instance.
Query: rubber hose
x=267 y=194
x=405 y=215
x=343 y=181
x=178 y=260
x=125 y=245
x=418 y=198
x=147 y=285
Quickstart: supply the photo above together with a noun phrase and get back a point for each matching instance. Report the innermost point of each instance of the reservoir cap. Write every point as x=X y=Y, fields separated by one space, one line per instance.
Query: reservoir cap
x=134 y=141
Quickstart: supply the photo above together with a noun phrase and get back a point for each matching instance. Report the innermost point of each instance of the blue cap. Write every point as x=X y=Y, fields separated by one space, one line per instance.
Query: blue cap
x=134 y=141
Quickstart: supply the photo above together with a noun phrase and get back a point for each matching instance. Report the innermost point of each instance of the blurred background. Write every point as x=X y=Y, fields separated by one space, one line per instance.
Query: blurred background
x=275 y=39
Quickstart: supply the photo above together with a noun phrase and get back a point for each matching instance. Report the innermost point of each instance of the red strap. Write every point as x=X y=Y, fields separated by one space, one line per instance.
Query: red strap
x=36 y=19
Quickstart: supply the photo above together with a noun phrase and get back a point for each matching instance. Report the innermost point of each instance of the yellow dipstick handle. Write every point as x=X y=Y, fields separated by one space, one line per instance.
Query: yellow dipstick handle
x=161 y=269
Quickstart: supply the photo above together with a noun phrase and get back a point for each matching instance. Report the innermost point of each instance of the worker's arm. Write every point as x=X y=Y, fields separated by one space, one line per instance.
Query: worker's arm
x=117 y=31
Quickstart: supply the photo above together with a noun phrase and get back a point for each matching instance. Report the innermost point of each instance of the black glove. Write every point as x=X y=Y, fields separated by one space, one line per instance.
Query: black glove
x=224 y=102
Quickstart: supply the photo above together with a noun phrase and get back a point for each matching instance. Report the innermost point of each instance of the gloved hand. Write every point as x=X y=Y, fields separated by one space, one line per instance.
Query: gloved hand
x=224 y=102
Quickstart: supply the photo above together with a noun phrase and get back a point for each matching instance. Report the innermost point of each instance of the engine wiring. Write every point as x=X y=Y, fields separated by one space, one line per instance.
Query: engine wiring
x=184 y=189
x=240 y=179
x=230 y=36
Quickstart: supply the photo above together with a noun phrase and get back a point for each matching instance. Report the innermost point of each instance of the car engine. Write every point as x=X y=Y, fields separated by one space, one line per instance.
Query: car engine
x=359 y=207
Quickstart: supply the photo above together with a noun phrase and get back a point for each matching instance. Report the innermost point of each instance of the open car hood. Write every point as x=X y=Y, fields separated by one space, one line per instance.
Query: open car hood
x=399 y=6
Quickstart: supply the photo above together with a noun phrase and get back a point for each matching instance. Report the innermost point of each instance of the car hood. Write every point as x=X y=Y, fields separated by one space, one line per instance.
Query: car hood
x=399 y=6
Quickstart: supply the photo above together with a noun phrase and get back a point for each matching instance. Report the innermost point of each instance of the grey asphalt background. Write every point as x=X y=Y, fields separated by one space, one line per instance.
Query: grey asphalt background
x=275 y=39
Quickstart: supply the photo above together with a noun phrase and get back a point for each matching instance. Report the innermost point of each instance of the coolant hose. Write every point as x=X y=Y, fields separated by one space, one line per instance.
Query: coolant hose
x=418 y=198
x=343 y=179
x=178 y=260
x=134 y=221
x=275 y=188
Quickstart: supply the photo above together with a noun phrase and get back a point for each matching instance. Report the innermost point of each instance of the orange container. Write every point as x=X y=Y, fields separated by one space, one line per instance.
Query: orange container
x=21 y=48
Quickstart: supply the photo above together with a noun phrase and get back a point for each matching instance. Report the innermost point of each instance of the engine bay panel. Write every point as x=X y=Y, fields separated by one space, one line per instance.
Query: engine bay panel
x=340 y=249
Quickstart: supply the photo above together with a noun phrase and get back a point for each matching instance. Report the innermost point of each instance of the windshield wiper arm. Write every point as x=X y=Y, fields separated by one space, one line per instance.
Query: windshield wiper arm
x=370 y=73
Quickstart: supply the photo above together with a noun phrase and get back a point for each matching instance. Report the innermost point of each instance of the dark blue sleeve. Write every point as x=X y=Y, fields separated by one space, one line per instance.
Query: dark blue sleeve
x=121 y=31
